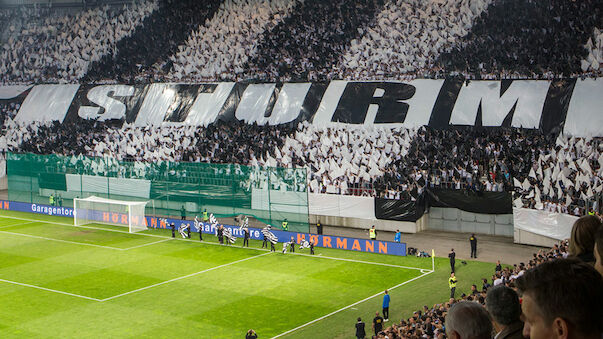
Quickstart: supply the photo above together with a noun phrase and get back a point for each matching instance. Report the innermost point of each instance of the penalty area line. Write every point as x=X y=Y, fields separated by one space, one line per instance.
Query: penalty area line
x=349 y=306
x=60 y=240
x=49 y=290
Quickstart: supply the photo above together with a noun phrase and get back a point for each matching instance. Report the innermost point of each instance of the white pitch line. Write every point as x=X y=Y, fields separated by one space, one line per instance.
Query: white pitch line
x=360 y=261
x=60 y=240
x=49 y=289
x=151 y=243
x=349 y=306
x=23 y=223
x=209 y=243
x=184 y=277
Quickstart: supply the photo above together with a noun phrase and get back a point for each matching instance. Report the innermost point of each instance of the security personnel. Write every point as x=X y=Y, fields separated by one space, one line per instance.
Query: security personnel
x=183 y=213
x=51 y=199
x=473 y=242
x=452 y=257
x=318 y=228
x=373 y=233
x=452 y=284
x=285 y=225
x=205 y=216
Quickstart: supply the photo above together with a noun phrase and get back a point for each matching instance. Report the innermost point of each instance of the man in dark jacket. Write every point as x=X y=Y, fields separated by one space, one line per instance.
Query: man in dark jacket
x=502 y=303
x=360 y=333
x=452 y=257
x=473 y=242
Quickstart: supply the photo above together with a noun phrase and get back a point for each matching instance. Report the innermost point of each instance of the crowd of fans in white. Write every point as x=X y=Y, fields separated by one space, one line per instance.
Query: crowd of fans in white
x=281 y=40
x=221 y=48
x=563 y=176
x=45 y=47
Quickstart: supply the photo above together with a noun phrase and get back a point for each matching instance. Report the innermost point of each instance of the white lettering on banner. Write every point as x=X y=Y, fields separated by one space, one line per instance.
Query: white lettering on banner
x=389 y=104
x=329 y=102
x=62 y=211
x=207 y=106
x=254 y=102
x=421 y=104
x=584 y=117
x=527 y=96
x=114 y=109
x=46 y=103
x=288 y=104
x=13 y=91
x=156 y=103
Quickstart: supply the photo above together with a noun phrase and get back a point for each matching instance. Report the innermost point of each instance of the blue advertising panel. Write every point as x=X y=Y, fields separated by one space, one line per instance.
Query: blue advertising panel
x=326 y=241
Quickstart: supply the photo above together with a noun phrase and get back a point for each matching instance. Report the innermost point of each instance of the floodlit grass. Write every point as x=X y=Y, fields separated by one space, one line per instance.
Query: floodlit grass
x=58 y=280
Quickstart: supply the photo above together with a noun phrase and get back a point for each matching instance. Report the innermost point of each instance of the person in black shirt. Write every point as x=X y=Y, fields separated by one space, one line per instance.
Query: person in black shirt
x=221 y=234
x=473 y=242
x=318 y=228
x=246 y=237
x=251 y=335
x=377 y=323
x=173 y=226
x=292 y=245
x=498 y=266
x=311 y=247
x=452 y=257
x=188 y=231
x=360 y=333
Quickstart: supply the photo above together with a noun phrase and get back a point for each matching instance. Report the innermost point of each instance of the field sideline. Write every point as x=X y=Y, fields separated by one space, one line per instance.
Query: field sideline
x=100 y=281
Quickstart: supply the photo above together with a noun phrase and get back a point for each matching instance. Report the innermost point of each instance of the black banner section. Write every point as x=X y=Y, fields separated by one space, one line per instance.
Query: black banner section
x=475 y=202
x=399 y=210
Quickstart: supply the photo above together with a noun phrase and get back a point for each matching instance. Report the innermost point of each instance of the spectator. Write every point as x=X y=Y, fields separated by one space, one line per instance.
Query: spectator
x=468 y=320
x=503 y=305
x=598 y=251
x=582 y=241
x=562 y=299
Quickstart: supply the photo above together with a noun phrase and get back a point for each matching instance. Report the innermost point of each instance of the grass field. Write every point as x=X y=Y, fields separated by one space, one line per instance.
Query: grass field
x=57 y=280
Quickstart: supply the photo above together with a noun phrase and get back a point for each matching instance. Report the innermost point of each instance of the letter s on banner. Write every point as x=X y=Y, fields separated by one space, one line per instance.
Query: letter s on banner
x=103 y=97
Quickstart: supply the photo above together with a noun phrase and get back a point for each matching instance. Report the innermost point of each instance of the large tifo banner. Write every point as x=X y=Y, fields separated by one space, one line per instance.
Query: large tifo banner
x=569 y=105
x=326 y=241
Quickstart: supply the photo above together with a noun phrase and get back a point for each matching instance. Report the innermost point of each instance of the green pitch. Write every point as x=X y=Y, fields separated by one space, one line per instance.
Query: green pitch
x=57 y=280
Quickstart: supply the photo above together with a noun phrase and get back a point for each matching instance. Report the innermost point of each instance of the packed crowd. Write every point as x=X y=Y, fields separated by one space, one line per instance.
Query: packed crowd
x=408 y=37
x=540 y=39
x=471 y=159
x=394 y=163
x=278 y=40
x=143 y=56
x=499 y=295
x=47 y=47
x=221 y=48
x=563 y=177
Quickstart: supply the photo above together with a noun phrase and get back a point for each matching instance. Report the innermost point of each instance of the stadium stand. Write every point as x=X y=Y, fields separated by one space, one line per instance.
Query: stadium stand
x=144 y=53
x=542 y=39
x=221 y=48
x=315 y=40
x=47 y=47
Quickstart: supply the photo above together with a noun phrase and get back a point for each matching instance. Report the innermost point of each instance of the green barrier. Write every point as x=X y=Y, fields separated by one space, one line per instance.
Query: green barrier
x=268 y=195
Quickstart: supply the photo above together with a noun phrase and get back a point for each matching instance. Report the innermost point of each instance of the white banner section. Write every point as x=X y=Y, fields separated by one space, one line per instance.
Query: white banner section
x=116 y=186
x=553 y=225
x=336 y=205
